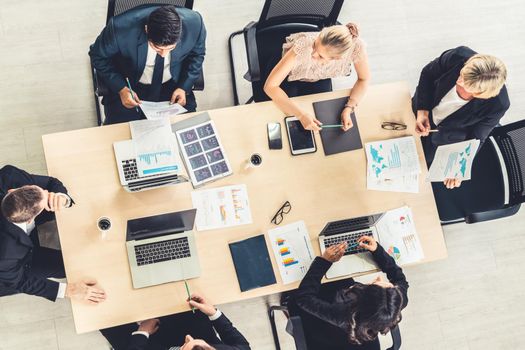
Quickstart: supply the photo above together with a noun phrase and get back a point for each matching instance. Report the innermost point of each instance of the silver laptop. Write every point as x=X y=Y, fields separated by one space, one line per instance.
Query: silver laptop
x=355 y=259
x=162 y=248
x=129 y=175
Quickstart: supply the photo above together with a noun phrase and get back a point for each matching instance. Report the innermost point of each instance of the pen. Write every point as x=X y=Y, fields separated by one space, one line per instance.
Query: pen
x=331 y=126
x=131 y=92
x=189 y=295
x=433 y=130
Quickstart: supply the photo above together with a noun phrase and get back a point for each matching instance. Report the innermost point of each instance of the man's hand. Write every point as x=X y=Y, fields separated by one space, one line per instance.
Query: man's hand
x=179 y=96
x=452 y=183
x=85 y=291
x=197 y=301
x=422 y=123
x=127 y=100
x=309 y=122
x=149 y=326
x=346 y=119
x=335 y=252
x=55 y=202
x=367 y=242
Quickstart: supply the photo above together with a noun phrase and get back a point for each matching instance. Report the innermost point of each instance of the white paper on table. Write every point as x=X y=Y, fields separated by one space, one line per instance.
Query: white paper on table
x=393 y=158
x=156 y=110
x=398 y=236
x=453 y=161
x=155 y=148
x=292 y=250
x=407 y=183
x=221 y=207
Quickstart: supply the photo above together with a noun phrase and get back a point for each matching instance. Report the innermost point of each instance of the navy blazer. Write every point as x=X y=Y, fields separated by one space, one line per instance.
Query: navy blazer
x=121 y=48
x=476 y=119
x=15 y=245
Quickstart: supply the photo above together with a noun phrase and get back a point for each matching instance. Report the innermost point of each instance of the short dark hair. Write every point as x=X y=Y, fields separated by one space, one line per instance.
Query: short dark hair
x=164 y=26
x=199 y=347
x=22 y=204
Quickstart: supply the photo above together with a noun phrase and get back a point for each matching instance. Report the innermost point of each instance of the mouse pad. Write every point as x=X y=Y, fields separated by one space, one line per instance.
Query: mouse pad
x=336 y=140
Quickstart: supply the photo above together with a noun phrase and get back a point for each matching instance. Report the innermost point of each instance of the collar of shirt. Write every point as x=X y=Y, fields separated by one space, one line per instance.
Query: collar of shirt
x=147 y=74
x=26 y=227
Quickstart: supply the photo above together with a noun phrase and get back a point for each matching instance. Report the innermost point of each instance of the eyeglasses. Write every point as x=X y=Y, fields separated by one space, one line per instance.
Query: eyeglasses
x=393 y=126
x=279 y=216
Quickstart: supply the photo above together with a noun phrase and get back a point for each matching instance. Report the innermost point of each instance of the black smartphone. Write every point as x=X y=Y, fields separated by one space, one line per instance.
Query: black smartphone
x=275 y=140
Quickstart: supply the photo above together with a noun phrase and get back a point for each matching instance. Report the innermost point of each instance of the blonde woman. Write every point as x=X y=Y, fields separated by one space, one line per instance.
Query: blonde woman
x=462 y=96
x=309 y=61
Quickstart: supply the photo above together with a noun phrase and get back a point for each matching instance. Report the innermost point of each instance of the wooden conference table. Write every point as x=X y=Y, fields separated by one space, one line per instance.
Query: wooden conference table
x=320 y=189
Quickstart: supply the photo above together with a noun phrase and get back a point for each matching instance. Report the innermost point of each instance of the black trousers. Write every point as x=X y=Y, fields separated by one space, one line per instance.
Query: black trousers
x=116 y=113
x=46 y=262
x=172 y=331
x=300 y=88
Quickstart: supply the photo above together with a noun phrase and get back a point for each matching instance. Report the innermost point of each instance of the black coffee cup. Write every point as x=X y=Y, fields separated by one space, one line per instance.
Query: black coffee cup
x=104 y=224
x=256 y=159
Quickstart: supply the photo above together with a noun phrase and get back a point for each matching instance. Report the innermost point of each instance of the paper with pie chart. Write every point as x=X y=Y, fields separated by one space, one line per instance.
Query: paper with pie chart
x=398 y=236
x=292 y=251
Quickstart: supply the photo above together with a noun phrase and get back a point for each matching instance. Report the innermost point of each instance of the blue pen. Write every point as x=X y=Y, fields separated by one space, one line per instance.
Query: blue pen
x=131 y=92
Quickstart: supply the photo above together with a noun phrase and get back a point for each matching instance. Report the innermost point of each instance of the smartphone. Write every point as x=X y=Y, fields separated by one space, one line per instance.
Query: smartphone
x=301 y=141
x=275 y=140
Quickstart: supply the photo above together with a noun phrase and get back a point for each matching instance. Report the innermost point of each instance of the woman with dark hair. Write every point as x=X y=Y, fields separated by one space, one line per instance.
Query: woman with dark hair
x=347 y=314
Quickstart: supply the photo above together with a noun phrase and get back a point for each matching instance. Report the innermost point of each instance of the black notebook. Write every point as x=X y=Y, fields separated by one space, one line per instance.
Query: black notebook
x=336 y=140
x=252 y=263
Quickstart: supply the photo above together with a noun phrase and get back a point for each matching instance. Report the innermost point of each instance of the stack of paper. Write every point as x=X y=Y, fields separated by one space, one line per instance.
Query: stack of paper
x=393 y=165
x=453 y=161
x=157 y=110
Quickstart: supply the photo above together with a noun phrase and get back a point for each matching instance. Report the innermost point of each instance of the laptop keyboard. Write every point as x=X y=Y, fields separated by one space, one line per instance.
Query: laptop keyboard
x=129 y=166
x=351 y=239
x=162 y=251
x=346 y=225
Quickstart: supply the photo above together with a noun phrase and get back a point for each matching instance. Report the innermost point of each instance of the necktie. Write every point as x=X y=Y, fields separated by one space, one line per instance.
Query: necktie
x=156 y=81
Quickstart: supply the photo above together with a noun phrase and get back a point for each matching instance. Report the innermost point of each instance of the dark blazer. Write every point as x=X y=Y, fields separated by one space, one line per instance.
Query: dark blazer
x=16 y=247
x=476 y=119
x=231 y=338
x=121 y=48
x=325 y=321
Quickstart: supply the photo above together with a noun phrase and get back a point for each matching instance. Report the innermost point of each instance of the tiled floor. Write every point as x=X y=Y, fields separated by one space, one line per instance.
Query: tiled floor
x=472 y=300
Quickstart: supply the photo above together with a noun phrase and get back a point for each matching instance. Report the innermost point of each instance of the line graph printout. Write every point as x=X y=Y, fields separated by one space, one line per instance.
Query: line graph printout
x=394 y=158
x=155 y=147
x=453 y=161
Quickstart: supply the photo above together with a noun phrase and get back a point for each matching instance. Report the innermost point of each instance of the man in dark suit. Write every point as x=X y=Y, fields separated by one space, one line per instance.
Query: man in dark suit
x=185 y=331
x=462 y=95
x=26 y=201
x=160 y=49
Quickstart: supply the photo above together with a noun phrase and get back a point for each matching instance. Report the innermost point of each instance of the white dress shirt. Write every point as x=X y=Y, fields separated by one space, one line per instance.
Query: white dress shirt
x=450 y=103
x=147 y=74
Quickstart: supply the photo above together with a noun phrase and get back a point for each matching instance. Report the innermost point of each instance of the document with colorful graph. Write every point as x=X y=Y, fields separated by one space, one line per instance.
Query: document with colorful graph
x=394 y=158
x=453 y=161
x=292 y=250
x=221 y=207
x=397 y=234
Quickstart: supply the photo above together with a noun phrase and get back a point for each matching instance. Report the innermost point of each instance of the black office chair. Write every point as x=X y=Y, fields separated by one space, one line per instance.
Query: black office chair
x=263 y=39
x=496 y=189
x=115 y=8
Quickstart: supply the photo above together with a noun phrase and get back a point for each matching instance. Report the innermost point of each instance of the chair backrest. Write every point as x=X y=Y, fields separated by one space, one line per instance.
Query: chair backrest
x=117 y=7
x=318 y=12
x=511 y=142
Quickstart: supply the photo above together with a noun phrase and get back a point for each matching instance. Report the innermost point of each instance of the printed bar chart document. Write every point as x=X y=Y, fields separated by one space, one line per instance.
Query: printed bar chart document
x=156 y=110
x=453 y=161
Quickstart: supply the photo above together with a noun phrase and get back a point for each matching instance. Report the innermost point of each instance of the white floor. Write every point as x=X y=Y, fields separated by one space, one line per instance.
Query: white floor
x=472 y=300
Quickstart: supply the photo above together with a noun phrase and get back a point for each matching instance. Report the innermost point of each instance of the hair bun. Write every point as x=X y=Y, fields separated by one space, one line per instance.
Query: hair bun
x=354 y=30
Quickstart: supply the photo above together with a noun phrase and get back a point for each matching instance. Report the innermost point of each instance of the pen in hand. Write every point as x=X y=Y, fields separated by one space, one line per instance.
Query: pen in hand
x=131 y=92
x=189 y=295
x=331 y=126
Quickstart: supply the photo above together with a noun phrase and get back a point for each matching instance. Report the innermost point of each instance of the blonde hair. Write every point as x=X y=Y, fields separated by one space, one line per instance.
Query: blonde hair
x=339 y=38
x=484 y=74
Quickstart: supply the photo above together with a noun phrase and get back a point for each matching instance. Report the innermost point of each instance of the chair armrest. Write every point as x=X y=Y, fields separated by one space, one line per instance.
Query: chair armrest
x=100 y=88
x=296 y=330
x=198 y=85
x=396 y=338
x=492 y=214
x=254 y=70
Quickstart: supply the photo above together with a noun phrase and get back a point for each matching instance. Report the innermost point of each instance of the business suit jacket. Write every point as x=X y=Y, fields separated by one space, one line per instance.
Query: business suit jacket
x=325 y=322
x=120 y=50
x=16 y=247
x=231 y=338
x=476 y=119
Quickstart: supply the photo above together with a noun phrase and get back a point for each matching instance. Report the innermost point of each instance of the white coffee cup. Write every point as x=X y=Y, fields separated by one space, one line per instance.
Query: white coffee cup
x=103 y=225
x=254 y=161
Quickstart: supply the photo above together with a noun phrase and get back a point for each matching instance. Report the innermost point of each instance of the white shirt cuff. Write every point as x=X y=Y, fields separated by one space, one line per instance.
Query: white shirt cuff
x=216 y=315
x=68 y=199
x=146 y=334
x=61 y=291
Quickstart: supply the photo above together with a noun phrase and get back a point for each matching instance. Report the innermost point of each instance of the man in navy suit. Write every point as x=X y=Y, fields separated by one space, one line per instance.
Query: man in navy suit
x=159 y=49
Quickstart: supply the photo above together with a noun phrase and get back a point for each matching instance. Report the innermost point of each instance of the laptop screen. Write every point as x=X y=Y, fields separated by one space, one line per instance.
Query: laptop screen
x=162 y=224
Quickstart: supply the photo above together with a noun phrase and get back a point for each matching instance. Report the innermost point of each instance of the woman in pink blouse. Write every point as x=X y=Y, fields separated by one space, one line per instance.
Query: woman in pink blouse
x=309 y=60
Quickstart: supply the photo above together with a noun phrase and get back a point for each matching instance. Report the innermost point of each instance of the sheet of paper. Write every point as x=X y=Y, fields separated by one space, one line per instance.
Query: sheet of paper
x=453 y=161
x=292 y=250
x=389 y=159
x=397 y=234
x=221 y=207
x=156 y=110
x=407 y=183
x=155 y=147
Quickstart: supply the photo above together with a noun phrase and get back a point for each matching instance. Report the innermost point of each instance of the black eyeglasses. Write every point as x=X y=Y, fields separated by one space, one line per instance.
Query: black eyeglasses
x=279 y=216
x=393 y=126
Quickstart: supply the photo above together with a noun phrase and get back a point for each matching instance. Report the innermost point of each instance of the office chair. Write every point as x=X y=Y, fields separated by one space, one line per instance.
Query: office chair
x=115 y=8
x=263 y=39
x=496 y=189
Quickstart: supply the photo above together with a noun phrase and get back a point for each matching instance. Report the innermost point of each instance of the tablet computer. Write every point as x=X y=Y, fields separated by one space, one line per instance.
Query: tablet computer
x=301 y=141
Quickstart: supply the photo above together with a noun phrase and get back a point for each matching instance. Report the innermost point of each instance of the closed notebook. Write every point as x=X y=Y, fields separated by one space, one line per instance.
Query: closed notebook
x=252 y=263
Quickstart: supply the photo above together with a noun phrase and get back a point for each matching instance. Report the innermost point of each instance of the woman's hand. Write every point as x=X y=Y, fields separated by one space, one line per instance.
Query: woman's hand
x=335 y=252
x=367 y=242
x=422 y=123
x=452 y=183
x=346 y=118
x=309 y=122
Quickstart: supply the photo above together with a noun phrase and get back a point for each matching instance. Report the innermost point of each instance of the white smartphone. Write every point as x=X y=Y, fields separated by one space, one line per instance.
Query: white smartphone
x=301 y=141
